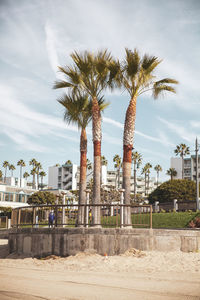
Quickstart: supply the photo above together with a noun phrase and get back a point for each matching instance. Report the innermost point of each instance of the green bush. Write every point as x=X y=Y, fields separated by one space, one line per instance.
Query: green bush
x=180 y=189
x=42 y=197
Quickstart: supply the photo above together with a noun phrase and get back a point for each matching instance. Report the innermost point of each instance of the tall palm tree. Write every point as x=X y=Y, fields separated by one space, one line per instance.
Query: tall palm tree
x=12 y=168
x=78 y=110
x=171 y=172
x=5 y=166
x=33 y=162
x=182 y=150
x=42 y=175
x=90 y=73
x=158 y=169
x=22 y=164
x=33 y=173
x=118 y=164
x=136 y=76
x=137 y=160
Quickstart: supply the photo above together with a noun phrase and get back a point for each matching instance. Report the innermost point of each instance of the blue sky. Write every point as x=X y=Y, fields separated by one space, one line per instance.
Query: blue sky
x=37 y=36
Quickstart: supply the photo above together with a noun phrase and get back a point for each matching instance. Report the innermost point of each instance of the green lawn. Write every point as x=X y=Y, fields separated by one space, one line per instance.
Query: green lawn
x=173 y=220
x=159 y=220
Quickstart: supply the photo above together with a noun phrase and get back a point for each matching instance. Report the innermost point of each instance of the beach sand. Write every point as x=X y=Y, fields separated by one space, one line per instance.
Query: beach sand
x=133 y=275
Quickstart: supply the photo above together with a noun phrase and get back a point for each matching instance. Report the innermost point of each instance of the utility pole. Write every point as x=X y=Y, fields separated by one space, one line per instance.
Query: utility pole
x=197 y=177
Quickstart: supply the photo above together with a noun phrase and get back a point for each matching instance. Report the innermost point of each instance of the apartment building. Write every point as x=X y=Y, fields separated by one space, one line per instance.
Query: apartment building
x=189 y=167
x=112 y=180
x=63 y=177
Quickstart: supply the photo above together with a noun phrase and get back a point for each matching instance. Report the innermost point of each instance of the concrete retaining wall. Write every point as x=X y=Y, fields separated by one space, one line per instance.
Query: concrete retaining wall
x=38 y=242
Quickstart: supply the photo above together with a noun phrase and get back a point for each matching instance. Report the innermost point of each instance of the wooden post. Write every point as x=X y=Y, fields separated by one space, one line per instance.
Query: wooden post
x=19 y=217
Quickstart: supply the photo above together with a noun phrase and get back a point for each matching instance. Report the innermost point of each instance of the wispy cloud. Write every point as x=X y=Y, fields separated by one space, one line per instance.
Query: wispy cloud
x=161 y=139
x=180 y=130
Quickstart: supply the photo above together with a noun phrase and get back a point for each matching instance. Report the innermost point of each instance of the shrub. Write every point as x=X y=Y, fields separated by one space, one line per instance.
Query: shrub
x=180 y=189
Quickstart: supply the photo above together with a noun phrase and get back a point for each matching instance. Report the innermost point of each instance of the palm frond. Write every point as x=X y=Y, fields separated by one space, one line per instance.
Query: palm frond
x=62 y=84
x=131 y=63
x=157 y=90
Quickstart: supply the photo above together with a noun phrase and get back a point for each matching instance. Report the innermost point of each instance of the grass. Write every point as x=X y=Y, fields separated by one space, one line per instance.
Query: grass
x=159 y=220
x=173 y=219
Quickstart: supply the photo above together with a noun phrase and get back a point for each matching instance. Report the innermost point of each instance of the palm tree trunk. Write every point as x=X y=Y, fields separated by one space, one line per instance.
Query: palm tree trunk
x=148 y=182
x=83 y=176
x=41 y=182
x=20 y=176
x=135 y=180
x=182 y=166
x=157 y=177
x=129 y=128
x=5 y=175
x=118 y=177
x=96 y=131
x=34 y=181
x=145 y=184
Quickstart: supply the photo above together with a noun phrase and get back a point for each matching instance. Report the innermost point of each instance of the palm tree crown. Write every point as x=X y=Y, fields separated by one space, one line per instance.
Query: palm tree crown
x=26 y=175
x=5 y=165
x=171 y=172
x=12 y=168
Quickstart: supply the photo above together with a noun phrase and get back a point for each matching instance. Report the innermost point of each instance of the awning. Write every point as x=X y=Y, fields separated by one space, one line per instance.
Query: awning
x=12 y=204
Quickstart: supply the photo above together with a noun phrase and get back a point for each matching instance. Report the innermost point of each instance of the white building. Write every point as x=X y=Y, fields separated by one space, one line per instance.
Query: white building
x=15 y=181
x=66 y=177
x=63 y=177
x=140 y=183
x=189 y=166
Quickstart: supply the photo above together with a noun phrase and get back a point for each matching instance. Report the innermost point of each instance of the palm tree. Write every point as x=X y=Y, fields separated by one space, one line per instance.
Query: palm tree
x=90 y=74
x=33 y=173
x=1 y=175
x=104 y=162
x=5 y=165
x=22 y=164
x=118 y=164
x=26 y=175
x=171 y=172
x=89 y=165
x=144 y=172
x=42 y=175
x=136 y=76
x=158 y=169
x=182 y=150
x=12 y=168
x=78 y=110
x=33 y=162
x=137 y=160
x=38 y=167
x=148 y=167
x=68 y=162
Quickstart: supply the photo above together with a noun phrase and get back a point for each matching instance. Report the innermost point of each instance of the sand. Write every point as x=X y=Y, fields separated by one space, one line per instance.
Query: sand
x=133 y=275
